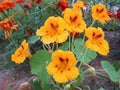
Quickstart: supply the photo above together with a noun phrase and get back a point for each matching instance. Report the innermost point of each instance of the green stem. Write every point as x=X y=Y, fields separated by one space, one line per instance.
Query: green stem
x=13 y=42
x=78 y=88
x=53 y=47
x=56 y=46
x=43 y=45
x=52 y=82
x=73 y=41
x=101 y=74
x=83 y=57
x=83 y=38
x=69 y=42
x=92 y=23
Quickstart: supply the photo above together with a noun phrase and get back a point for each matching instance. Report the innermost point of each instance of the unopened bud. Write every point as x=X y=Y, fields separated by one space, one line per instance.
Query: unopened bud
x=92 y=71
x=67 y=87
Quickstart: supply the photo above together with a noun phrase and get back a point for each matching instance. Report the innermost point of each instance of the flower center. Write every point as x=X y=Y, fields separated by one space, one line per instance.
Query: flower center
x=99 y=11
x=63 y=63
x=55 y=27
x=73 y=19
x=96 y=36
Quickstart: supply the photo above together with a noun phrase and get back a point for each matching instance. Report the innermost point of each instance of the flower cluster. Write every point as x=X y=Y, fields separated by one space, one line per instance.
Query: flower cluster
x=64 y=66
x=57 y=29
x=21 y=53
x=8 y=26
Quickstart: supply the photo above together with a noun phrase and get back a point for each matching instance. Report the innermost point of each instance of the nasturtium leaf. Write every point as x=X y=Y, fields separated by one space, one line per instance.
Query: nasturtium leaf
x=101 y=88
x=65 y=46
x=80 y=49
x=113 y=75
x=116 y=65
x=38 y=63
x=33 y=39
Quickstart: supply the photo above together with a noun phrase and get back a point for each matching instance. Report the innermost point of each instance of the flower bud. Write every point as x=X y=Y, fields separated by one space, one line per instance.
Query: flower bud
x=92 y=71
x=67 y=87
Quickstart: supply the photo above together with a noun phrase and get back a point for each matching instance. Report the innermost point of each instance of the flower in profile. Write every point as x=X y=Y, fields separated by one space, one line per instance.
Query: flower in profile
x=99 y=12
x=62 y=66
x=63 y=4
x=78 y=5
x=96 y=40
x=20 y=1
x=74 y=20
x=118 y=14
x=8 y=26
x=21 y=53
x=53 y=30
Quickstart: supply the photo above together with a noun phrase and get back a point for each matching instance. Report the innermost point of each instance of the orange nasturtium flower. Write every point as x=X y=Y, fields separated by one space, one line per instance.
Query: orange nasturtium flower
x=53 y=30
x=78 y=5
x=62 y=66
x=21 y=53
x=99 y=12
x=96 y=40
x=63 y=4
x=74 y=20
x=8 y=26
x=20 y=1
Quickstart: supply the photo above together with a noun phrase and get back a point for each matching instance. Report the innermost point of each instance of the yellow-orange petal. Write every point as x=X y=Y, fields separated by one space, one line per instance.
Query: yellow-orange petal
x=72 y=73
x=52 y=68
x=60 y=77
x=47 y=39
x=91 y=45
x=104 y=48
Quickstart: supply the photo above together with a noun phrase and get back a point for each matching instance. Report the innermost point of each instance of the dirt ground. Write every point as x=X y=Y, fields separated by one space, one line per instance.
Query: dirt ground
x=20 y=74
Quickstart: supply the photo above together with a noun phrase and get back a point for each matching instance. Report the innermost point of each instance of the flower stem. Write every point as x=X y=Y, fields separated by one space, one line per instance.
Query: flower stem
x=83 y=57
x=73 y=41
x=78 y=88
x=56 y=46
x=92 y=23
x=69 y=42
x=13 y=42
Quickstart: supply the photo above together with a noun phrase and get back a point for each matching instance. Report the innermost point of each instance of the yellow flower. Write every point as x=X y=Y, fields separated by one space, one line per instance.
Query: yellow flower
x=21 y=53
x=96 y=40
x=62 y=66
x=99 y=12
x=74 y=20
x=53 y=30
x=78 y=5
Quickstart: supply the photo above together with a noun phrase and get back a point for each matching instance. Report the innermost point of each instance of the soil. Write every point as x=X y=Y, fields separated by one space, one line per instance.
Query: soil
x=19 y=75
